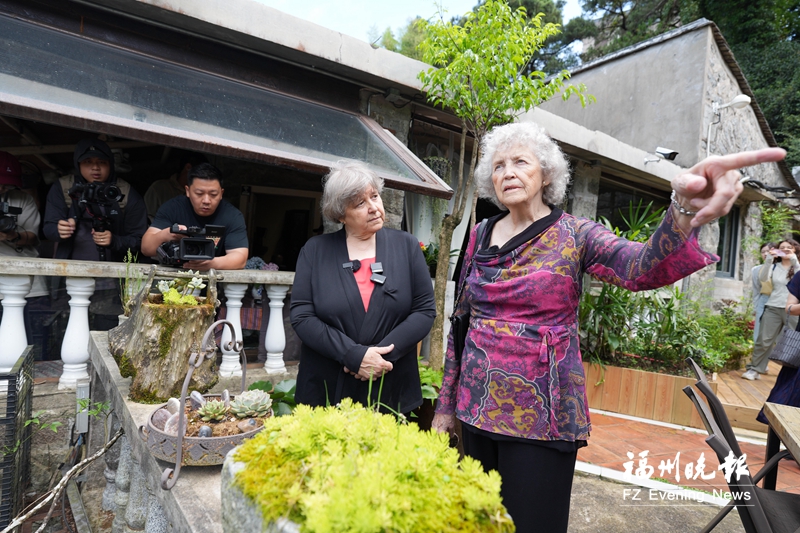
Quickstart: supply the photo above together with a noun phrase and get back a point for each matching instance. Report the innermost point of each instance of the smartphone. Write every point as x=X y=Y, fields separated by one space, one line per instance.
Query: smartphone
x=779 y=253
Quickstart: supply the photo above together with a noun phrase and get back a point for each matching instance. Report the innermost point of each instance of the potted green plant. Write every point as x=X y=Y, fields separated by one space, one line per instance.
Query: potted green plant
x=350 y=468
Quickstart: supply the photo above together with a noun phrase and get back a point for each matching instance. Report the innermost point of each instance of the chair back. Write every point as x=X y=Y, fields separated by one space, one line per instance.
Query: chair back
x=717 y=410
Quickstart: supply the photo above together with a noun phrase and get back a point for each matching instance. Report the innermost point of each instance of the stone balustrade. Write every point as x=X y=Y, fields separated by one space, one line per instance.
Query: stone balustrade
x=133 y=476
x=15 y=283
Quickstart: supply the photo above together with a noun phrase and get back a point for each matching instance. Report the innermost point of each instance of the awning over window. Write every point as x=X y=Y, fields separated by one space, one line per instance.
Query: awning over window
x=50 y=76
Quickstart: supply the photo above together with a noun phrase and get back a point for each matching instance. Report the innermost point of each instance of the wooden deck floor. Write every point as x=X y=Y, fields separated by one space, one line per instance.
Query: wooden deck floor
x=743 y=399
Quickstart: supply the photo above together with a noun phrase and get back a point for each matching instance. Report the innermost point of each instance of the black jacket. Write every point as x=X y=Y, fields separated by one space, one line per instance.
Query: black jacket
x=127 y=225
x=328 y=315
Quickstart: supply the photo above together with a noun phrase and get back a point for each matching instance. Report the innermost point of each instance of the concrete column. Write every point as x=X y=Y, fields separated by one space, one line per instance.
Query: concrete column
x=75 y=348
x=584 y=191
x=231 y=360
x=397 y=120
x=13 y=338
x=138 y=501
x=123 y=483
x=276 y=337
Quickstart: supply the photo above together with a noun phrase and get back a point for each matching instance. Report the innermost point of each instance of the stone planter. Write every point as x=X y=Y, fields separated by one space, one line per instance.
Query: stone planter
x=197 y=451
x=240 y=513
x=643 y=394
x=153 y=345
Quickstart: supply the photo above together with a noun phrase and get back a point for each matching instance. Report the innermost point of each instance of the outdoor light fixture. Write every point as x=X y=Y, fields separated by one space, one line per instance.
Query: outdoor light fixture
x=740 y=102
x=662 y=153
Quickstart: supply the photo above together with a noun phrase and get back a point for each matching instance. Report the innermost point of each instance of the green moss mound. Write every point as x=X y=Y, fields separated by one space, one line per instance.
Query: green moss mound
x=348 y=469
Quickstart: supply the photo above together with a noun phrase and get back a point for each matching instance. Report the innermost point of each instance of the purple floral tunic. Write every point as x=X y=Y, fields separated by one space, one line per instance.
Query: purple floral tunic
x=521 y=373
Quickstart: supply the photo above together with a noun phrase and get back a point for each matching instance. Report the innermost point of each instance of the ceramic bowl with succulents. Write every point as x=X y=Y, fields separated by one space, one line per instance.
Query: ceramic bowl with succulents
x=215 y=424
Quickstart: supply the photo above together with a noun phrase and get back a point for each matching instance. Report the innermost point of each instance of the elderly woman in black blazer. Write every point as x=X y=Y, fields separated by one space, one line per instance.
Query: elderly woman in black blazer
x=361 y=301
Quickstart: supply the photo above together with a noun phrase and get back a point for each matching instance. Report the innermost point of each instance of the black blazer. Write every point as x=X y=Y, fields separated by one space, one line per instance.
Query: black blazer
x=328 y=315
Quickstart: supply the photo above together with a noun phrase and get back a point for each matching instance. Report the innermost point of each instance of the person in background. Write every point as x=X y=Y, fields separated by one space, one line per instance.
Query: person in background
x=361 y=301
x=781 y=265
x=22 y=240
x=760 y=298
x=162 y=190
x=201 y=205
x=519 y=388
x=100 y=229
x=787 y=386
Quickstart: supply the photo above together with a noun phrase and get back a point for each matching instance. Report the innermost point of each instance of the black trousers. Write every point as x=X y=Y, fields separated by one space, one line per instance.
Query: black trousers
x=537 y=481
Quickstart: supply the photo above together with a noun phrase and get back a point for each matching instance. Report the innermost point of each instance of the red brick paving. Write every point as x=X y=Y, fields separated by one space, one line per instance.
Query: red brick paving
x=612 y=437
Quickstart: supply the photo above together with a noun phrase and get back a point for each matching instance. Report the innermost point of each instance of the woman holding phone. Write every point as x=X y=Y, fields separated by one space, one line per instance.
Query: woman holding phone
x=778 y=272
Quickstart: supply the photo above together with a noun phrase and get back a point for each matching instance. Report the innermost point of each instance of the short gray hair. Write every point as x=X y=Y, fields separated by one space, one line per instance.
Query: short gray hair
x=346 y=181
x=555 y=169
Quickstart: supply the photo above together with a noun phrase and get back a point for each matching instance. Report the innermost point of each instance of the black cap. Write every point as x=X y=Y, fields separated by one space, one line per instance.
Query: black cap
x=93 y=151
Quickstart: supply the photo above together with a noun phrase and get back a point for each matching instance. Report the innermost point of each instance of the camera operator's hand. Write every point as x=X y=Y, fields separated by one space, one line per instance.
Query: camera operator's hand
x=66 y=228
x=176 y=236
x=232 y=260
x=8 y=236
x=101 y=238
x=199 y=265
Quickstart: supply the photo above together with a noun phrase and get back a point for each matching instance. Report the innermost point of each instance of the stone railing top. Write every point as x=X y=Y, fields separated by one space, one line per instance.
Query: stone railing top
x=97 y=269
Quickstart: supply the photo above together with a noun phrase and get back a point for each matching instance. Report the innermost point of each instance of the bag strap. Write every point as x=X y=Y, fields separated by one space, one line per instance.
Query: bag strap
x=475 y=249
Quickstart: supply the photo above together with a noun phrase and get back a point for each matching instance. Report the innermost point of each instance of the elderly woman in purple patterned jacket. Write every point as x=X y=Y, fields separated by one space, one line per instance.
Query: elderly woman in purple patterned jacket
x=518 y=388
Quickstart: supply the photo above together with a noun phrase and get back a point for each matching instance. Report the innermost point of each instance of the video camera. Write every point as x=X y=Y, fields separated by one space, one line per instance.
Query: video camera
x=8 y=217
x=96 y=193
x=198 y=245
x=92 y=198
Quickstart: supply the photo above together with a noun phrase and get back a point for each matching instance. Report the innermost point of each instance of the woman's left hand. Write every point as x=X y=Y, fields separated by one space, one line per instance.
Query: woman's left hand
x=711 y=186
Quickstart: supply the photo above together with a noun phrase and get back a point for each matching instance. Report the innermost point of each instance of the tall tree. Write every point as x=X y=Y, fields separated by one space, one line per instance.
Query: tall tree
x=408 y=41
x=479 y=74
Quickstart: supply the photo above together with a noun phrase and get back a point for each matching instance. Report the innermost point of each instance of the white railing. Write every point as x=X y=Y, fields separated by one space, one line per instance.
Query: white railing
x=15 y=283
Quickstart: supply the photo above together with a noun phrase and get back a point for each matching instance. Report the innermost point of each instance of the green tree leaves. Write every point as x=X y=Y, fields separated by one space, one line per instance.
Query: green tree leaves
x=480 y=66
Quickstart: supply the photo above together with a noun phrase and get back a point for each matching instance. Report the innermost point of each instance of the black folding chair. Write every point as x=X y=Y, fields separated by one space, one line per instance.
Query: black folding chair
x=760 y=510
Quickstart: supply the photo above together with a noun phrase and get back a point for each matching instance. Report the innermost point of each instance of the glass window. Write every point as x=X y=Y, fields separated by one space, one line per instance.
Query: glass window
x=726 y=249
x=615 y=197
x=67 y=76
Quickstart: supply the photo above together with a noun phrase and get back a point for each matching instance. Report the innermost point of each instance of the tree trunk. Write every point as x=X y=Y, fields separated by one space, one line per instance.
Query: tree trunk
x=153 y=346
x=436 y=357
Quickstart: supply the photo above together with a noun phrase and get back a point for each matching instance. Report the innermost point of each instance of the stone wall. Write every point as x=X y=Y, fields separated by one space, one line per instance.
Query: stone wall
x=48 y=448
x=738 y=129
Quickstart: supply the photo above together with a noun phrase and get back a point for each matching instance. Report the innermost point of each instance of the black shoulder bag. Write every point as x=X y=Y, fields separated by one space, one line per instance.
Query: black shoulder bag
x=459 y=324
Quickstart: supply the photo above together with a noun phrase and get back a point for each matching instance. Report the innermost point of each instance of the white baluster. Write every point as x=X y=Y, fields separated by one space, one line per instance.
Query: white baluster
x=276 y=336
x=75 y=348
x=13 y=338
x=231 y=362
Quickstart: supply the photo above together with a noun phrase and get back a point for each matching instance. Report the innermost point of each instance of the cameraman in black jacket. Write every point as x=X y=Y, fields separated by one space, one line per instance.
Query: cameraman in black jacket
x=94 y=216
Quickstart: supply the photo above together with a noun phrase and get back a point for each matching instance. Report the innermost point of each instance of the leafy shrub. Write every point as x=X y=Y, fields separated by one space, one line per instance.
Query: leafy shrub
x=729 y=339
x=351 y=469
x=661 y=327
x=430 y=380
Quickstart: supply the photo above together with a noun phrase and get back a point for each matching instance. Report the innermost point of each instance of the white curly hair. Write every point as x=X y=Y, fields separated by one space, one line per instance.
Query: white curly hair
x=555 y=168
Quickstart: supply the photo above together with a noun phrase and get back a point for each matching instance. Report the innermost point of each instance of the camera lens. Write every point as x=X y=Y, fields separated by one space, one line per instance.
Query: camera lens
x=7 y=224
x=192 y=249
x=112 y=192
